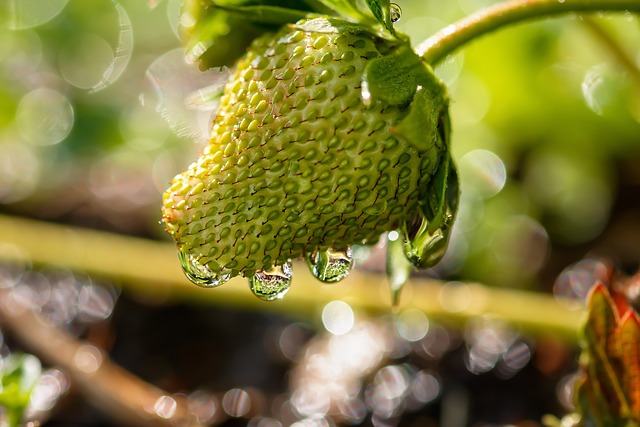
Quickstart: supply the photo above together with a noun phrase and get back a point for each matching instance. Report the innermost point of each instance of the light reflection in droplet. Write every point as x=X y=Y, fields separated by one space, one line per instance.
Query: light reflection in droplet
x=517 y=356
x=353 y=410
x=95 y=303
x=236 y=402
x=173 y=80
x=592 y=89
x=20 y=171
x=574 y=283
x=425 y=387
x=165 y=407
x=263 y=422
x=565 y=391
x=316 y=421
x=83 y=61
x=487 y=340
x=61 y=307
x=203 y=406
x=51 y=385
x=412 y=324
x=310 y=402
x=88 y=358
x=483 y=170
x=334 y=365
x=44 y=117
x=338 y=317
x=435 y=344
x=122 y=53
x=386 y=394
x=455 y=297
x=31 y=13
x=174 y=10
x=291 y=341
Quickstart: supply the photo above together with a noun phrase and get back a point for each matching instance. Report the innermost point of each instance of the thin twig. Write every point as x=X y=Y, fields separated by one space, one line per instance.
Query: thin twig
x=115 y=391
x=151 y=269
x=452 y=37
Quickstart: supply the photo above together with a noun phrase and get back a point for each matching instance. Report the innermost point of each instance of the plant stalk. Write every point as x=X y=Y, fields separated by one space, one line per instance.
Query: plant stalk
x=449 y=39
x=151 y=270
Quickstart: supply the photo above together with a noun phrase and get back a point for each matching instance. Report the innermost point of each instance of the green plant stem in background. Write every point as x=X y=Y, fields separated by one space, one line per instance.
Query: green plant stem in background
x=452 y=37
x=151 y=270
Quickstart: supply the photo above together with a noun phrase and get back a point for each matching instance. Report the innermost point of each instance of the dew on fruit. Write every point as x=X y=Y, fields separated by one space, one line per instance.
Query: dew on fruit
x=424 y=247
x=272 y=284
x=395 y=13
x=331 y=265
x=200 y=274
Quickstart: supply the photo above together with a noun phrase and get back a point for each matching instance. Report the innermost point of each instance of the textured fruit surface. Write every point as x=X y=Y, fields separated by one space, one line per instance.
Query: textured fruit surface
x=301 y=159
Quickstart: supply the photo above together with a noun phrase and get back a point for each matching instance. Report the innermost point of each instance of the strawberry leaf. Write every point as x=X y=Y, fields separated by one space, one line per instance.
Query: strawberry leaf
x=628 y=336
x=270 y=15
x=608 y=392
x=343 y=8
x=381 y=10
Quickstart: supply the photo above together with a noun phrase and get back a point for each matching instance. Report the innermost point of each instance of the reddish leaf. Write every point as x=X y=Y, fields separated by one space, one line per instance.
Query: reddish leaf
x=628 y=340
x=600 y=331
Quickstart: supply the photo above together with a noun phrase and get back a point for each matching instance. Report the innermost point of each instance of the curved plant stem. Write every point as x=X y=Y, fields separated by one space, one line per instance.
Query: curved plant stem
x=449 y=39
x=151 y=270
x=114 y=390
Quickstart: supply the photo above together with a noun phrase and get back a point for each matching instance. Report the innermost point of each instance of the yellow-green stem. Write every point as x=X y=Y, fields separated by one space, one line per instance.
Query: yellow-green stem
x=452 y=37
x=151 y=269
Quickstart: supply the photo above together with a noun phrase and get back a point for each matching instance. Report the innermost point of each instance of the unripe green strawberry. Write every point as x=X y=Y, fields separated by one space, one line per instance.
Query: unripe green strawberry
x=327 y=136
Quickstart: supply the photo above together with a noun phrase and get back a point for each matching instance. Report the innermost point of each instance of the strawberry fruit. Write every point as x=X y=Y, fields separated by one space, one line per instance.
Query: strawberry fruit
x=329 y=133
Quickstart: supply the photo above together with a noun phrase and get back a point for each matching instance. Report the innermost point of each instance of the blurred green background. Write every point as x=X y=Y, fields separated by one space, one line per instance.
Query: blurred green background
x=99 y=110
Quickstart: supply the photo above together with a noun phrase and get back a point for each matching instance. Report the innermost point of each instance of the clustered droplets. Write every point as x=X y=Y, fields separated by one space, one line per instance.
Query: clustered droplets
x=328 y=266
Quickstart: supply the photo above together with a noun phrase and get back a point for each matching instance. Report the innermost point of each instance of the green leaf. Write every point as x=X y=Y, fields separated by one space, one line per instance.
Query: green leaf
x=344 y=8
x=381 y=11
x=392 y=78
x=272 y=15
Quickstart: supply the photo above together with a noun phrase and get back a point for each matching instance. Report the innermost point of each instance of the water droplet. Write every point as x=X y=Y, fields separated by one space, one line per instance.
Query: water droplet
x=422 y=246
x=200 y=274
x=395 y=13
x=398 y=269
x=331 y=265
x=272 y=284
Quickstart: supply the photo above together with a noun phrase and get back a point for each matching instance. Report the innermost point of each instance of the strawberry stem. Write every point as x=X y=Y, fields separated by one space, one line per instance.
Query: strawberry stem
x=446 y=41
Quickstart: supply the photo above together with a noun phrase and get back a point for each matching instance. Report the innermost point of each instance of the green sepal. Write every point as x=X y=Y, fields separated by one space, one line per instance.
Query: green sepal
x=222 y=30
x=381 y=11
x=426 y=125
x=426 y=237
x=392 y=78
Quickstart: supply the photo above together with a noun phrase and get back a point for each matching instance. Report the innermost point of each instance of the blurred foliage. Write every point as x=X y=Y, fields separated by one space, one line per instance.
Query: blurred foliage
x=18 y=377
